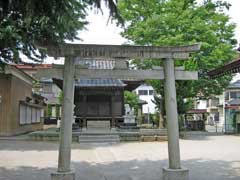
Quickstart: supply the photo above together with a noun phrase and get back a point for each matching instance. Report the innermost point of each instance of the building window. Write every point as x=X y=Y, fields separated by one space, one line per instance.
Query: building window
x=216 y=117
x=150 y=92
x=142 y=92
x=214 y=102
x=28 y=117
x=29 y=114
x=227 y=96
x=23 y=112
x=234 y=95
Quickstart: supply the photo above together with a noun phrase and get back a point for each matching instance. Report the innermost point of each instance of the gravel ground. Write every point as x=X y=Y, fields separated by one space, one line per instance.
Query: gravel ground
x=207 y=157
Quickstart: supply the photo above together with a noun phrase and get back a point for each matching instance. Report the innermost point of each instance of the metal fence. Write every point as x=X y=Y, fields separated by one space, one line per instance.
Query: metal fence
x=219 y=128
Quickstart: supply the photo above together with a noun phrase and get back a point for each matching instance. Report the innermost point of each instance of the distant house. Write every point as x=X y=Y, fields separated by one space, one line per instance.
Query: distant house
x=20 y=109
x=215 y=108
x=232 y=107
x=47 y=89
x=146 y=93
x=31 y=69
x=224 y=109
x=51 y=93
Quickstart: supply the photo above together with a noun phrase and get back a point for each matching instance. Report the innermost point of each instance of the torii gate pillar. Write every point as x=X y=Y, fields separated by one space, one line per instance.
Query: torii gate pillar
x=174 y=172
x=64 y=171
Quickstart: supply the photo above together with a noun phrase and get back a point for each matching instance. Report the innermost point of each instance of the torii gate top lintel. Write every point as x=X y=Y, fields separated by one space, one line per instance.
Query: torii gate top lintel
x=118 y=52
x=121 y=51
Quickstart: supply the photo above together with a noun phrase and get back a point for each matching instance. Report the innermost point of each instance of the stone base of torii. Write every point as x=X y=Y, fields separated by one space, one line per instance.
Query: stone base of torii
x=169 y=73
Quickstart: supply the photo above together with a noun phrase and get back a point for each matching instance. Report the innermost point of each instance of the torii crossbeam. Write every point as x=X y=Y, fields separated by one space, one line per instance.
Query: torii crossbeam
x=117 y=52
x=123 y=74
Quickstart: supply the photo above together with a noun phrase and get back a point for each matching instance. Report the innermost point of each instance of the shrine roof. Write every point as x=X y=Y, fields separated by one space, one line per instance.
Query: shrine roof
x=232 y=67
x=96 y=63
x=235 y=85
x=141 y=102
x=46 y=80
x=15 y=71
x=99 y=83
x=32 y=66
x=197 y=111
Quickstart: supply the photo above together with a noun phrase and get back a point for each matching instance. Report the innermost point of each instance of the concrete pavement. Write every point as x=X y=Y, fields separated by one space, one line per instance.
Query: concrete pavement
x=207 y=157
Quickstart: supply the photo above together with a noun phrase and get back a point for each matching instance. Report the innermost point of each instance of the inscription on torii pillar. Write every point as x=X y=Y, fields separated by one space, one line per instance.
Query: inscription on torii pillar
x=169 y=73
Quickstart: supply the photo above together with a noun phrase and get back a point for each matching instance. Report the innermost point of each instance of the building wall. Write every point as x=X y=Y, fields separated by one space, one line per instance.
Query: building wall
x=225 y=114
x=229 y=116
x=16 y=90
x=50 y=92
x=201 y=104
x=150 y=106
x=221 y=116
x=5 y=104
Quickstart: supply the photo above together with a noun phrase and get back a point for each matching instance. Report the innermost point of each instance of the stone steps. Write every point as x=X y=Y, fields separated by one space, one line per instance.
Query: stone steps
x=94 y=138
x=159 y=132
x=95 y=125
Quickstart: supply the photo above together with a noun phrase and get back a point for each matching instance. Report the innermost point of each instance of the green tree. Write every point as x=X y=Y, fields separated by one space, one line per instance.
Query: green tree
x=60 y=97
x=183 y=22
x=132 y=99
x=49 y=110
x=24 y=24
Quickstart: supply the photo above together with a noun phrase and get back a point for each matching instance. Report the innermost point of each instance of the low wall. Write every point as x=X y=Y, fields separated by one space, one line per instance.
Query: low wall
x=125 y=136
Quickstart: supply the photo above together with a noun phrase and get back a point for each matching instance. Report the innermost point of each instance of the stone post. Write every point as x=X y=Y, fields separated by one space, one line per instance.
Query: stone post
x=174 y=172
x=139 y=115
x=161 y=120
x=113 y=121
x=84 y=121
x=64 y=159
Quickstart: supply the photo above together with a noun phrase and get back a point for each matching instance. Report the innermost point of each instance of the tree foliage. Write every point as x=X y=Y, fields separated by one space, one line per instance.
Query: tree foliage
x=132 y=99
x=60 y=97
x=183 y=22
x=24 y=24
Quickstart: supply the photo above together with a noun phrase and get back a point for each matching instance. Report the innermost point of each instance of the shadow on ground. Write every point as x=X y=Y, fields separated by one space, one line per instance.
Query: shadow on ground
x=201 y=135
x=200 y=169
x=51 y=145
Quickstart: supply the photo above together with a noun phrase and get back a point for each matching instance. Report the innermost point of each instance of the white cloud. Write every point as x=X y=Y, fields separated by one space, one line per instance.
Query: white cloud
x=234 y=14
x=100 y=31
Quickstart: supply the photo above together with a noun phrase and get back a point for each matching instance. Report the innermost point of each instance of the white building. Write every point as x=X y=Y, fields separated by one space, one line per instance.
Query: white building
x=222 y=108
x=146 y=93
x=201 y=104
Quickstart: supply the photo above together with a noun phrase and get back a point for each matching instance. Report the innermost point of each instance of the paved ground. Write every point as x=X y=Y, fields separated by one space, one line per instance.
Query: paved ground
x=207 y=157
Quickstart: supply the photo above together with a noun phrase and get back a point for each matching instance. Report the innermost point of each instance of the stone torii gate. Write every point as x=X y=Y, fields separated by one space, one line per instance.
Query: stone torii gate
x=169 y=73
